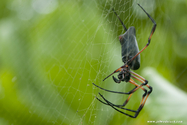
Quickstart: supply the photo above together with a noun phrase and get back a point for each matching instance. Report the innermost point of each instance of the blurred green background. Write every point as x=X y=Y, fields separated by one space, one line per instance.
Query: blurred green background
x=51 y=51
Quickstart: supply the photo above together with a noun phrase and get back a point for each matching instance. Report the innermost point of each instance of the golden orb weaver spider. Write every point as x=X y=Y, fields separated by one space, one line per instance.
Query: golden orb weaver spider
x=131 y=59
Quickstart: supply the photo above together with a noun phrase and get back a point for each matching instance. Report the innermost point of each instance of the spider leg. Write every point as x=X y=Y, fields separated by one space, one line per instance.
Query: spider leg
x=154 y=26
x=136 y=88
x=116 y=80
x=137 y=76
x=129 y=93
x=117 y=70
x=110 y=90
x=149 y=92
x=126 y=101
x=149 y=39
x=114 y=107
x=111 y=104
x=117 y=107
x=140 y=78
x=145 y=95
x=120 y=19
x=142 y=101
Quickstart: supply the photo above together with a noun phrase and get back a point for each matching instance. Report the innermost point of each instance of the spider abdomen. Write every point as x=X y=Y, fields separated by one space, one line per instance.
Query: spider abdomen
x=129 y=48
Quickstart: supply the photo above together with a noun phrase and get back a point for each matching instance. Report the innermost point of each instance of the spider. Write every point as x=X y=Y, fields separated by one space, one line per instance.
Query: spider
x=131 y=58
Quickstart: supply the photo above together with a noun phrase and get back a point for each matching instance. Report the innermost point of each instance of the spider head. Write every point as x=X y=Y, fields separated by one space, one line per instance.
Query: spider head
x=124 y=76
x=121 y=76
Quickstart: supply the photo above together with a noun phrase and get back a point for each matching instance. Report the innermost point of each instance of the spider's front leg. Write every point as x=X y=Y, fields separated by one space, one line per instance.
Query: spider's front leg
x=116 y=80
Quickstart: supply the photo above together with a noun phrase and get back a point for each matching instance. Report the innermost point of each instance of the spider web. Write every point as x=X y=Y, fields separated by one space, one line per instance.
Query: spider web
x=60 y=51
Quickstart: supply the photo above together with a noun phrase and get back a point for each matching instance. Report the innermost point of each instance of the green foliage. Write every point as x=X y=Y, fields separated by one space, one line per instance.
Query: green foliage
x=48 y=61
